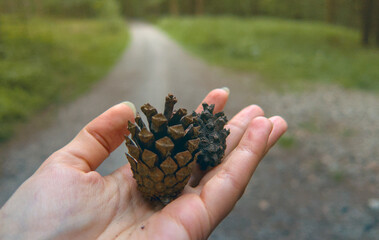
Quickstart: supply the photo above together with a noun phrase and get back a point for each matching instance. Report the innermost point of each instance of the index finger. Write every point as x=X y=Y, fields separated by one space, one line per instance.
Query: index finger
x=218 y=97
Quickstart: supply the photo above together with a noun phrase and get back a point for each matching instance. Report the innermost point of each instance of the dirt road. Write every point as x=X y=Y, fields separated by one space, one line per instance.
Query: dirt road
x=321 y=183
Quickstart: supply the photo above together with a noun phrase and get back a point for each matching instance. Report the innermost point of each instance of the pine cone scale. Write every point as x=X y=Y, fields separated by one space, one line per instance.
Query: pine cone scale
x=168 y=166
x=149 y=158
x=183 y=158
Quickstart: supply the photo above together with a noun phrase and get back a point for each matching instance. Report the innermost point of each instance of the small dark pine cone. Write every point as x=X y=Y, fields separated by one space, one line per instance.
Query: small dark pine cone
x=212 y=136
x=161 y=154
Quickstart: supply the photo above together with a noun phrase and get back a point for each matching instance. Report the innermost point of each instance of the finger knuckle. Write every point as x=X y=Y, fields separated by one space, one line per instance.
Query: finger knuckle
x=246 y=147
x=258 y=109
x=227 y=176
x=263 y=121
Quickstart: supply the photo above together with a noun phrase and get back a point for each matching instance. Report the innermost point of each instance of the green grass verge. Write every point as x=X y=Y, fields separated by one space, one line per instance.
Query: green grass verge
x=286 y=53
x=49 y=60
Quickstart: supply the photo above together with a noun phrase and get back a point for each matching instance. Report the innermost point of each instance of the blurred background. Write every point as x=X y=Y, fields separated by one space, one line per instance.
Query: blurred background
x=314 y=62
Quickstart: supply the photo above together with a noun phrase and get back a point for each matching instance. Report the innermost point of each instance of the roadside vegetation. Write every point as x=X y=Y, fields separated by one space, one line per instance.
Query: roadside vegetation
x=287 y=53
x=48 y=60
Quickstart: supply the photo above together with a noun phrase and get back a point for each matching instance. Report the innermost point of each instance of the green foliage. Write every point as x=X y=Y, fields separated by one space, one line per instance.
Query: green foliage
x=143 y=9
x=82 y=8
x=345 y=12
x=287 y=53
x=45 y=60
x=66 y=8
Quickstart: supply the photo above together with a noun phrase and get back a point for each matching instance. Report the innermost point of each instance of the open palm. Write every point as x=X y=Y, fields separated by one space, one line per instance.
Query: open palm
x=67 y=199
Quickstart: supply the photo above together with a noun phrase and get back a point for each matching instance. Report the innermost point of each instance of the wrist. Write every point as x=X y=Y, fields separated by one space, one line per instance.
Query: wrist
x=10 y=227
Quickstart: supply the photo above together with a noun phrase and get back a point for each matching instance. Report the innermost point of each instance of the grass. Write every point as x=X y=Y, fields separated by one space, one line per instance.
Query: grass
x=338 y=176
x=287 y=141
x=48 y=60
x=285 y=52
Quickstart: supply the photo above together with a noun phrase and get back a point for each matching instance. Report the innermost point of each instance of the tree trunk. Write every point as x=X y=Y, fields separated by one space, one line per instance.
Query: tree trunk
x=1 y=38
x=255 y=7
x=174 y=8
x=187 y=7
x=366 y=21
x=199 y=7
x=331 y=7
x=376 y=19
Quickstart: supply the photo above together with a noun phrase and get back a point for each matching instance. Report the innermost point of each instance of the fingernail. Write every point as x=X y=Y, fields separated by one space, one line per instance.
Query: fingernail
x=131 y=105
x=226 y=89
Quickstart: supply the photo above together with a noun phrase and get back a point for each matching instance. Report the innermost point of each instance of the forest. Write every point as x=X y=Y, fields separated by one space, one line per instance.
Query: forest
x=352 y=13
x=51 y=51
x=361 y=14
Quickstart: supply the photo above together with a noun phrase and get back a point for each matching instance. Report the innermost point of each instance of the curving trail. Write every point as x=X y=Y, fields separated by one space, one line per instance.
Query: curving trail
x=151 y=67
x=317 y=189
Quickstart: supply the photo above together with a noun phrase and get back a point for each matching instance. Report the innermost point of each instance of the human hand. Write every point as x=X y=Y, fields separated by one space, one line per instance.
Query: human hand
x=67 y=199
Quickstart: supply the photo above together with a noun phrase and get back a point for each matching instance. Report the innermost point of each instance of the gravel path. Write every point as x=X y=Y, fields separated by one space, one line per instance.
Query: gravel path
x=321 y=183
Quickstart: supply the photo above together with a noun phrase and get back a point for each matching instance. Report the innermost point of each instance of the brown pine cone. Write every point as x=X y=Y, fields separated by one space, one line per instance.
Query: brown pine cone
x=161 y=154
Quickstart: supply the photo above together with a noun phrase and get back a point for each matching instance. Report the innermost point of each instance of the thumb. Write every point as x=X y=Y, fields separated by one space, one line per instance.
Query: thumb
x=99 y=138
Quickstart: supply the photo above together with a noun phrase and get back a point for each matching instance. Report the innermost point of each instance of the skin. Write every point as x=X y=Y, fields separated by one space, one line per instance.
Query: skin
x=67 y=199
